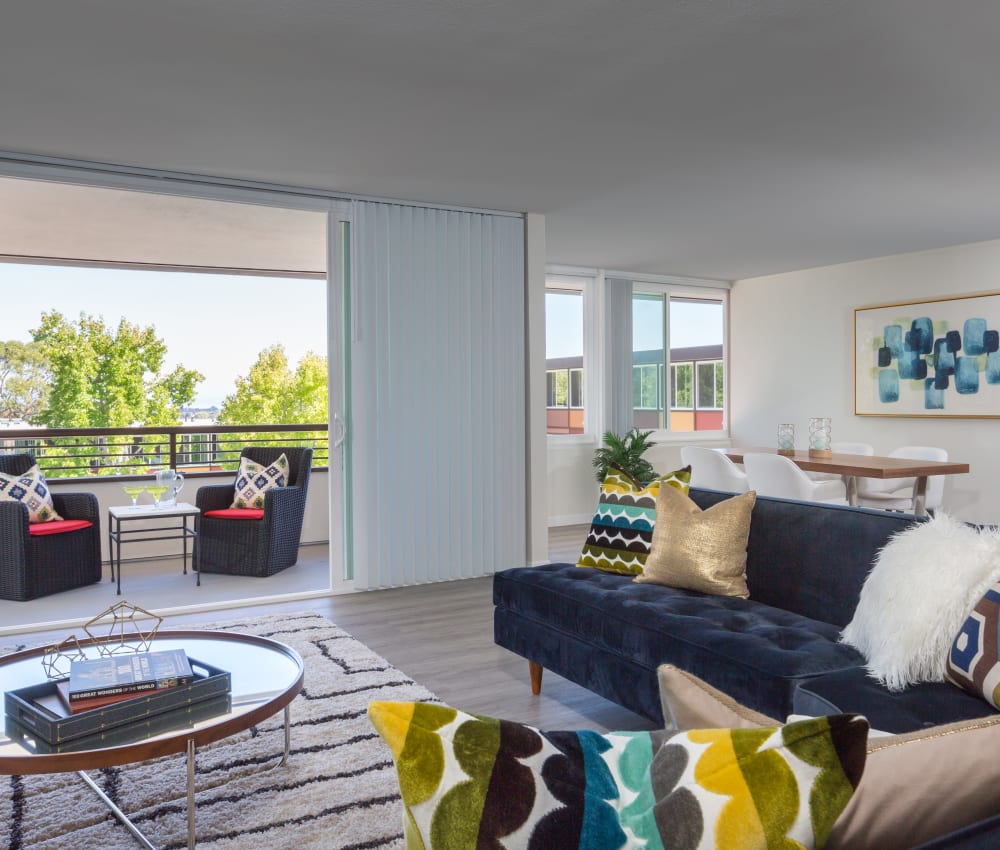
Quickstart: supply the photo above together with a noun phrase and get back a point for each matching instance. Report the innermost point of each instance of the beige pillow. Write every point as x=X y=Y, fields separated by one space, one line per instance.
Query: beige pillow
x=915 y=787
x=700 y=550
x=921 y=786
x=690 y=703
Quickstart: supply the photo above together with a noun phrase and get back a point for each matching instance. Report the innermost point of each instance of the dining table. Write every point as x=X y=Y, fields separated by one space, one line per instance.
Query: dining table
x=852 y=467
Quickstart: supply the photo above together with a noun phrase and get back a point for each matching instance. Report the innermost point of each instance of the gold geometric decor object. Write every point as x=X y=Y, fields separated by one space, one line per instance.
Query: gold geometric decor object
x=108 y=629
x=57 y=659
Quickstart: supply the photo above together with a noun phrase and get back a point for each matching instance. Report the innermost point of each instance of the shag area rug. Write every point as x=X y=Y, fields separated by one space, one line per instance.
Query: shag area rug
x=338 y=790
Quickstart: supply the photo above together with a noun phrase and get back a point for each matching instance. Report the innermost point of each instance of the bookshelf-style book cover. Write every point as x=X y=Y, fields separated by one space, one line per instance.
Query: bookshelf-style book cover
x=134 y=673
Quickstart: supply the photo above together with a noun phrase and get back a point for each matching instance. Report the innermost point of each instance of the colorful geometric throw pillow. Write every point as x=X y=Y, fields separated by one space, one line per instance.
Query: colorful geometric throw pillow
x=253 y=480
x=471 y=782
x=30 y=490
x=974 y=661
x=621 y=532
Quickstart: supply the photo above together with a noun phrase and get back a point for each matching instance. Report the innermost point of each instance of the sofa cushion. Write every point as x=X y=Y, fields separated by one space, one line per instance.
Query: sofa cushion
x=622 y=529
x=919 y=706
x=752 y=651
x=57 y=526
x=235 y=513
x=699 y=549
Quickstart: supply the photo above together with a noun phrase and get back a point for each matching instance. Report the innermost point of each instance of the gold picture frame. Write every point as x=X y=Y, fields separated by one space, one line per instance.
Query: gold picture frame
x=935 y=358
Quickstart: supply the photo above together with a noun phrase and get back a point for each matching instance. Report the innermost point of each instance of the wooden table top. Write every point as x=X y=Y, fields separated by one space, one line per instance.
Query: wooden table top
x=861 y=466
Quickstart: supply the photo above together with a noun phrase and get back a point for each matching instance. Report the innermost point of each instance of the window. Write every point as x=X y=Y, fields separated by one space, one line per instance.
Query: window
x=564 y=370
x=680 y=336
x=646 y=387
x=681 y=386
x=710 y=386
x=576 y=388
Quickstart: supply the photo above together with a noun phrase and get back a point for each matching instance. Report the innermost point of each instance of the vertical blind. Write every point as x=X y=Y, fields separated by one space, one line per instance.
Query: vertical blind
x=437 y=405
x=618 y=354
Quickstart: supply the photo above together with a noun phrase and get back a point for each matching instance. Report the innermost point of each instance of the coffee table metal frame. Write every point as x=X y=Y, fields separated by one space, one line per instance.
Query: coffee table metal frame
x=117 y=514
x=169 y=743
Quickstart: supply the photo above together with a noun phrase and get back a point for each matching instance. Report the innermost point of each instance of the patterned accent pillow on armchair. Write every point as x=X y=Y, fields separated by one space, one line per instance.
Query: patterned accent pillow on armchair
x=253 y=480
x=31 y=490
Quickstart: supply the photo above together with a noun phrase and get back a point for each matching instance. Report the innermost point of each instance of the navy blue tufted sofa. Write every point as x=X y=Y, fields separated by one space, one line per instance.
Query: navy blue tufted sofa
x=777 y=652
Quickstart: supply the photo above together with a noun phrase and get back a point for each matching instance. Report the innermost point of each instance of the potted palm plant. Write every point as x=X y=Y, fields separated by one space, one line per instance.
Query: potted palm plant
x=625 y=452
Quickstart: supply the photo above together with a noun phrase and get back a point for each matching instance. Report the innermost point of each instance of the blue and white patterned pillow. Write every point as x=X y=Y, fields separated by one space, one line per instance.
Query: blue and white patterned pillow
x=253 y=480
x=30 y=490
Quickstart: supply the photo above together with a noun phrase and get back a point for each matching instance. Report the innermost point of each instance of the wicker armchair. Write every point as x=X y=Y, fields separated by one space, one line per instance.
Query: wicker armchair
x=254 y=547
x=38 y=565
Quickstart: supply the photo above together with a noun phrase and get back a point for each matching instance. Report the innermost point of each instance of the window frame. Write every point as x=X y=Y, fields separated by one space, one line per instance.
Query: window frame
x=570 y=279
x=672 y=290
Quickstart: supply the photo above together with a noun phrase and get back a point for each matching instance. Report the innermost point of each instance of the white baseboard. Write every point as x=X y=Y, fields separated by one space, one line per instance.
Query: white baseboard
x=571 y=519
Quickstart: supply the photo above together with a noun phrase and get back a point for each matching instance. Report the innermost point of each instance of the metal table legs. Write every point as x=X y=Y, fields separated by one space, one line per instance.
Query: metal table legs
x=191 y=809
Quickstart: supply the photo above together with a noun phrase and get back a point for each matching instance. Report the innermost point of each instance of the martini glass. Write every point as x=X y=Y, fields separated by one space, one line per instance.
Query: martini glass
x=156 y=491
x=133 y=491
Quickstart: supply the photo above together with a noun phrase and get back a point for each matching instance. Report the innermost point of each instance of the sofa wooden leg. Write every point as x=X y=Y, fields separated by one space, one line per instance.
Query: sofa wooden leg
x=536 y=677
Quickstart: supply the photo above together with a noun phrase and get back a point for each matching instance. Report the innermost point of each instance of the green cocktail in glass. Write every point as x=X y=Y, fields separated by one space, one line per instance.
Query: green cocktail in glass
x=156 y=491
x=133 y=491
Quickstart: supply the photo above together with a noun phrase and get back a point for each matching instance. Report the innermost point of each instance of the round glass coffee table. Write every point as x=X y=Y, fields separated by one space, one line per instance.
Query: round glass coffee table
x=265 y=676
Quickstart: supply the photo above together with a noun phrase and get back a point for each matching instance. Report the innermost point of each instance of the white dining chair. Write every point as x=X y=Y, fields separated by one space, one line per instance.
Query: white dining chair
x=774 y=475
x=713 y=470
x=896 y=494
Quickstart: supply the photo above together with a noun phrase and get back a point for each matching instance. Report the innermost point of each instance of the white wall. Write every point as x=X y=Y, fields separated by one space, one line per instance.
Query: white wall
x=791 y=357
x=573 y=489
x=315 y=526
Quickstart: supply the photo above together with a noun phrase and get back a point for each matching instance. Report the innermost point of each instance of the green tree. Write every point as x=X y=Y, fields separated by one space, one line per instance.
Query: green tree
x=24 y=380
x=104 y=377
x=271 y=393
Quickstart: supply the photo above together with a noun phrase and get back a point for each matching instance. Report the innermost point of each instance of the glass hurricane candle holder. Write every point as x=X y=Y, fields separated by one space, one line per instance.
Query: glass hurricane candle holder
x=819 y=436
x=786 y=438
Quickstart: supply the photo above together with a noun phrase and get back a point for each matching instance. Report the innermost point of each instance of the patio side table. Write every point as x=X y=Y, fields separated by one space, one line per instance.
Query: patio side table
x=182 y=512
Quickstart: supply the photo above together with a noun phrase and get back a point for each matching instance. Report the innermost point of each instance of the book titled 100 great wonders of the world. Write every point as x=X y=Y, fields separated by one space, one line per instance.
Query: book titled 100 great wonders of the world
x=128 y=674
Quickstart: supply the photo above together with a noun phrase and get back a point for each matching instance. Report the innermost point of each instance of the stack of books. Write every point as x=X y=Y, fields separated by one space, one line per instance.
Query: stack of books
x=98 y=682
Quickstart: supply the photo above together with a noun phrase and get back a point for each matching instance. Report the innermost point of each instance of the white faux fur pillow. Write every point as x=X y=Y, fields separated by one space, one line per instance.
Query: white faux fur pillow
x=924 y=583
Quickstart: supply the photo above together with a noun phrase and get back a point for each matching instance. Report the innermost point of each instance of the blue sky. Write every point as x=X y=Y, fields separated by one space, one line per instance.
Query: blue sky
x=691 y=323
x=217 y=324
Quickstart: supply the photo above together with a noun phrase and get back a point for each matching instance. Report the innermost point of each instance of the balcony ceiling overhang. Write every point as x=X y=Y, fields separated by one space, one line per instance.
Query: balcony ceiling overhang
x=42 y=221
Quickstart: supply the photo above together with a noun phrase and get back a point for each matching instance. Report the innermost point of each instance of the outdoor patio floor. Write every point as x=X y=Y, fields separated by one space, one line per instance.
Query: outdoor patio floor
x=160 y=586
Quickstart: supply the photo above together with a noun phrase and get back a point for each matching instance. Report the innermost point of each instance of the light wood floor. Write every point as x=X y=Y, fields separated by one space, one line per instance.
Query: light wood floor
x=442 y=636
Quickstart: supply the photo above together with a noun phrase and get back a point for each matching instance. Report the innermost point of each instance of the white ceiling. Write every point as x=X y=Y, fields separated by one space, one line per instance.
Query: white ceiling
x=715 y=138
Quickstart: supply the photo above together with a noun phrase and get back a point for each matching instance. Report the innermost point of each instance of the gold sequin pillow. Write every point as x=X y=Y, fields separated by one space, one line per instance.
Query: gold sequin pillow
x=700 y=550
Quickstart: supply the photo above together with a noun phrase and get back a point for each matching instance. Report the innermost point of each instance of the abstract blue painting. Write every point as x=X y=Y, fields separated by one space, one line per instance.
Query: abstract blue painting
x=936 y=357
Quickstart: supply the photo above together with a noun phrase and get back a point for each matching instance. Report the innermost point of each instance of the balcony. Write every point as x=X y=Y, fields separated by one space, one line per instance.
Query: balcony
x=102 y=460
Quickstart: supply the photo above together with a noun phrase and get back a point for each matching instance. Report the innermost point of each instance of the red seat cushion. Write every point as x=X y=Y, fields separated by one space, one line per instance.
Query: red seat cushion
x=236 y=513
x=59 y=526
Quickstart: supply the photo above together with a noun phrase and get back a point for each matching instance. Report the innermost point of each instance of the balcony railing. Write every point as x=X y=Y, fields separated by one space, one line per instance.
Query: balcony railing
x=125 y=452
